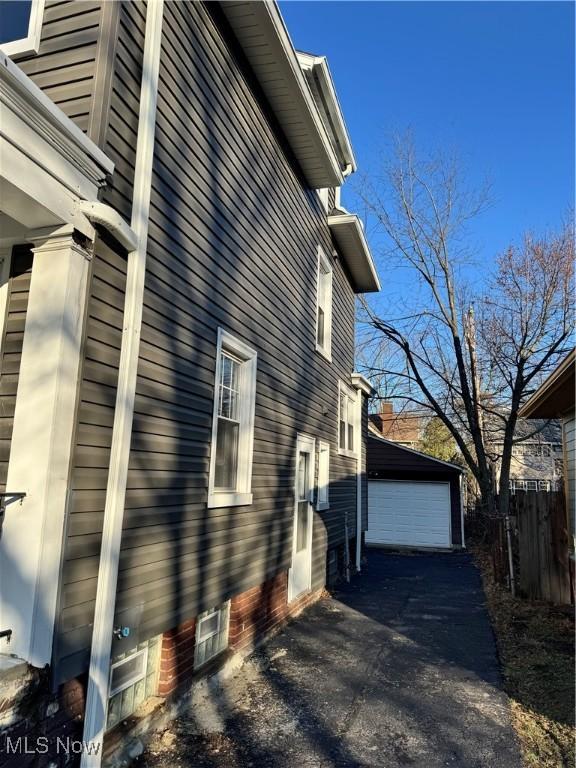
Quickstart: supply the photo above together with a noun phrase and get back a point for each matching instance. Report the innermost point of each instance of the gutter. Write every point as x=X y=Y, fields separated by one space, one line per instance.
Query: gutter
x=136 y=237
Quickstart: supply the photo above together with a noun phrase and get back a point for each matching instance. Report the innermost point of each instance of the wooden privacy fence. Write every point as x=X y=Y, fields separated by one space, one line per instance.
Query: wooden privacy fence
x=541 y=546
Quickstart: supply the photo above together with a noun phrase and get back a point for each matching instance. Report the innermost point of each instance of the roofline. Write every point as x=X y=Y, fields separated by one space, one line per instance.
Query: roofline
x=267 y=18
x=361 y=382
x=320 y=67
x=372 y=282
x=554 y=378
x=418 y=453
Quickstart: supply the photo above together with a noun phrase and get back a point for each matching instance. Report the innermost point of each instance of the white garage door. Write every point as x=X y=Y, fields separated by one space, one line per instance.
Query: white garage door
x=408 y=514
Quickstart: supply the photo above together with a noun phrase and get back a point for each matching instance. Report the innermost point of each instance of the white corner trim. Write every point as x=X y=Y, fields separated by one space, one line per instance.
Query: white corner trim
x=359 y=405
x=31 y=43
x=97 y=694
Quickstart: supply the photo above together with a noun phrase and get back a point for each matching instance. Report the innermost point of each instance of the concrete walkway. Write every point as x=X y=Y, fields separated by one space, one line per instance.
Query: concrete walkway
x=399 y=668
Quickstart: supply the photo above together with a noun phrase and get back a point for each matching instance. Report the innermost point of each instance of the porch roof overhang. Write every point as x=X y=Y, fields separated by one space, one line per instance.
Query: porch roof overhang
x=48 y=164
x=555 y=396
x=264 y=39
x=348 y=234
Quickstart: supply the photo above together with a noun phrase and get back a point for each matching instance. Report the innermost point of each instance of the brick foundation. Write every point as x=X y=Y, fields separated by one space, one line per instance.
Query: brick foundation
x=34 y=712
x=177 y=657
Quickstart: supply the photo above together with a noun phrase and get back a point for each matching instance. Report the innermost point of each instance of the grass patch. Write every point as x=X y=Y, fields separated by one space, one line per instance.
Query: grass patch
x=536 y=648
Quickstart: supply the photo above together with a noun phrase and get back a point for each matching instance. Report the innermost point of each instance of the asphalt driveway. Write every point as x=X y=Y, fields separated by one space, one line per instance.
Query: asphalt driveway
x=399 y=668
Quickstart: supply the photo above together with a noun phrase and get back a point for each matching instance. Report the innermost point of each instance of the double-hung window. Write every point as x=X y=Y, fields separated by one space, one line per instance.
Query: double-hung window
x=322 y=497
x=233 y=423
x=20 y=26
x=324 y=306
x=346 y=420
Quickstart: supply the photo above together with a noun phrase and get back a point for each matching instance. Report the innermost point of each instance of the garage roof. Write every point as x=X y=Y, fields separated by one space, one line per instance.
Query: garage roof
x=385 y=455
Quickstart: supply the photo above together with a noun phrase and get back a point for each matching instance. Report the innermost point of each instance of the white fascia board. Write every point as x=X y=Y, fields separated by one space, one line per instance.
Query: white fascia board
x=34 y=107
x=319 y=67
x=348 y=233
x=264 y=39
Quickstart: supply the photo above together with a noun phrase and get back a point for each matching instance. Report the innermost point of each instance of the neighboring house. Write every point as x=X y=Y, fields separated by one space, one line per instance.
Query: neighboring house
x=554 y=399
x=404 y=428
x=537 y=462
x=414 y=500
x=178 y=399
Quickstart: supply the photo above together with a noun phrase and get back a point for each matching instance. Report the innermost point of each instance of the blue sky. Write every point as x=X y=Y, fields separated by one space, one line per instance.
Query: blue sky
x=492 y=80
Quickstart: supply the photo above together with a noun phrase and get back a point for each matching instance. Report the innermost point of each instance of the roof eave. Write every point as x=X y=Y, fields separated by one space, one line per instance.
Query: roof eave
x=532 y=408
x=348 y=233
x=319 y=64
x=261 y=33
x=418 y=453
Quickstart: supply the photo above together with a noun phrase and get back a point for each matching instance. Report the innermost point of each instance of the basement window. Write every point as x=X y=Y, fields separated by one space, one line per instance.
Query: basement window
x=20 y=26
x=211 y=634
x=133 y=678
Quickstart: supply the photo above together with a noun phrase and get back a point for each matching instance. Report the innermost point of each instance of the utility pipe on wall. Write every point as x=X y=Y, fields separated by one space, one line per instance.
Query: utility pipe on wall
x=97 y=695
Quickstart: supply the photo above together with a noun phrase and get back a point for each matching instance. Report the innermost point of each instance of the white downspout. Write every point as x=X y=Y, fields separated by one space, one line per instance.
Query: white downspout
x=97 y=695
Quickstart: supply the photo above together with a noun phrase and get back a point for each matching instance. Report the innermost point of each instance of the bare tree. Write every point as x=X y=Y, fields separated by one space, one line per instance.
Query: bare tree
x=469 y=354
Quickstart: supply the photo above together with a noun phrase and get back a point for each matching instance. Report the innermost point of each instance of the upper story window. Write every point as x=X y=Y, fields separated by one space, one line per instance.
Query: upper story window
x=347 y=439
x=324 y=306
x=20 y=26
x=233 y=423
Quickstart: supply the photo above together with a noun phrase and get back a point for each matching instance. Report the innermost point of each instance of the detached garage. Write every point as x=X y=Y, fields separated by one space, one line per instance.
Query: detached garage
x=414 y=500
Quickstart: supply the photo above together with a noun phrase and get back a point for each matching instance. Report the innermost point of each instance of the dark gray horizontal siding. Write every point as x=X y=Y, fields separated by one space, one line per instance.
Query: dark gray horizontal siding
x=11 y=349
x=91 y=458
x=65 y=64
x=124 y=102
x=232 y=242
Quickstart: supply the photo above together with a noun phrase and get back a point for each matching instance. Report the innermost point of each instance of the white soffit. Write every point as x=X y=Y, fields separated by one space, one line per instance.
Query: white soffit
x=260 y=30
x=351 y=242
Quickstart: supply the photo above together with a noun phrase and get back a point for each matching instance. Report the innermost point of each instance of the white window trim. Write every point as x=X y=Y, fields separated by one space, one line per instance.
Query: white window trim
x=242 y=495
x=31 y=43
x=343 y=388
x=322 y=505
x=130 y=681
x=326 y=349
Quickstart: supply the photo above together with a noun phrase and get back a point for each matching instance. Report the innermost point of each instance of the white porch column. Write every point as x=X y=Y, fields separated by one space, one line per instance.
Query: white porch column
x=32 y=535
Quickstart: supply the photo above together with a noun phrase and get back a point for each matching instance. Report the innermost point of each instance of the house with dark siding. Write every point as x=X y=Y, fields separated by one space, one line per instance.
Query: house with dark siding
x=183 y=436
